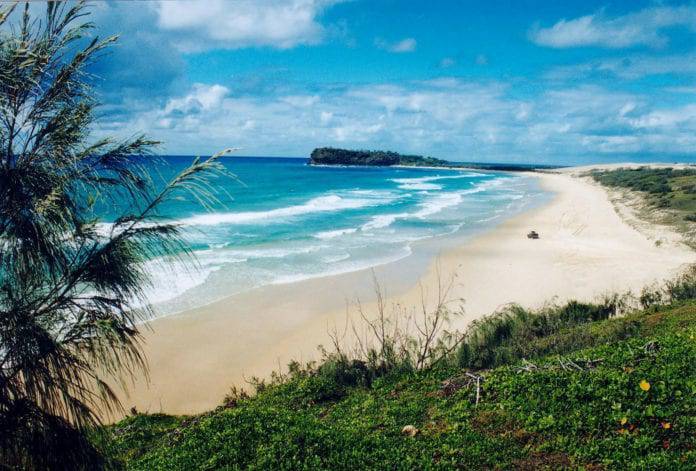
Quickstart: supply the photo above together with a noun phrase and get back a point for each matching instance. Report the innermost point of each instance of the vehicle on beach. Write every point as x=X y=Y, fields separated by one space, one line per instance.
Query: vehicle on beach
x=532 y=235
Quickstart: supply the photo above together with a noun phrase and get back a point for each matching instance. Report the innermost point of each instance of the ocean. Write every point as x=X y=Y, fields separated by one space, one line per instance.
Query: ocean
x=283 y=221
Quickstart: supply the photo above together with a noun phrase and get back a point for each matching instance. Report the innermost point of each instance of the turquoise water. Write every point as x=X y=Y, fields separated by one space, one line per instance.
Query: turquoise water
x=284 y=221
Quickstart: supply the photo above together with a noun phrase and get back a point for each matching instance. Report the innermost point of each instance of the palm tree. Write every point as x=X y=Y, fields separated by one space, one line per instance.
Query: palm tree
x=71 y=292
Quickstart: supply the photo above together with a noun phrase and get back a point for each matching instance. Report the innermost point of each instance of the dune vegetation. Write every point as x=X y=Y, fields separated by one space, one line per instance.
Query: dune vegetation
x=605 y=385
x=664 y=188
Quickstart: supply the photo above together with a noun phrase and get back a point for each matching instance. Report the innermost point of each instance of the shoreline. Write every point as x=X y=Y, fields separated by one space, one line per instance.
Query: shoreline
x=423 y=250
x=585 y=250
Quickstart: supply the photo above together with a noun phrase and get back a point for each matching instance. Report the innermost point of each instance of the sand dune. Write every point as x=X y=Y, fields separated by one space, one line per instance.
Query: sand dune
x=585 y=249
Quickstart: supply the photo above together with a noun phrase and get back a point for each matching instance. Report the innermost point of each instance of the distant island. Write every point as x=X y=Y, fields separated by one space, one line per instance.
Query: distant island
x=372 y=158
x=332 y=156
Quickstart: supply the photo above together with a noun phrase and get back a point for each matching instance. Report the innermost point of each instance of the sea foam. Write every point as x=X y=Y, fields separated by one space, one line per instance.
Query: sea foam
x=429 y=207
x=324 y=235
x=424 y=183
x=316 y=205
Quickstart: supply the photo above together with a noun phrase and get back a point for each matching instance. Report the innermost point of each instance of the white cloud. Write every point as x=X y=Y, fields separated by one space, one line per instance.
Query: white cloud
x=201 y=98
x=628 y=67
x=446 y=117
x=206 y=24
x=301 y=100
x=682 y=89
x=404 y=45
x=627 y=108
x=447 y=112
x=643 y=28
x=640 y=66
x=326 y=117
x=684 y=115
x=447 y=62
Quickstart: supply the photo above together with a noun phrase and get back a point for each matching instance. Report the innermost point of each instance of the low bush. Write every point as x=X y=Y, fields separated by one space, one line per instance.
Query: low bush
x=681 y=288
x=334 y=377
x=511 y=333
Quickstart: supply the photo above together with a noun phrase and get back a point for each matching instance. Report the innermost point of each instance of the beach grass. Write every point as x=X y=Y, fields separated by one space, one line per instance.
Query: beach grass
x=668 y=189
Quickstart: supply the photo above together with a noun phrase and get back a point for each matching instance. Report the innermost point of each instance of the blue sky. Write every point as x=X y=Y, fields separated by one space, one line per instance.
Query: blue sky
x=524 y=81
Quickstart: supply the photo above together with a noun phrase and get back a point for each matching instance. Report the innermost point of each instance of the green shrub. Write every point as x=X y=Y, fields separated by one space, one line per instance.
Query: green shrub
x=507 y=335
x=575 y=312
x=335 y=376
x=682 y=288
x=651 y=297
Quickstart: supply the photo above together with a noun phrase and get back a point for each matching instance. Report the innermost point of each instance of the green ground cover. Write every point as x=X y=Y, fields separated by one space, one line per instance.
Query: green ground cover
x=571 y=387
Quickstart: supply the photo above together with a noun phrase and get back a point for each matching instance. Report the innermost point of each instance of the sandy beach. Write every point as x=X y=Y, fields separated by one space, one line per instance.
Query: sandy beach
x=586 y=249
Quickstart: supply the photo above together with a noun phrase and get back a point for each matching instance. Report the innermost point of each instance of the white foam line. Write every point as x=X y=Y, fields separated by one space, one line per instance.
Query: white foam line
x=420 y=186
x=428 y=208
x=315 y=205
x=349 y=268
x=324 y=235
x=436 y=178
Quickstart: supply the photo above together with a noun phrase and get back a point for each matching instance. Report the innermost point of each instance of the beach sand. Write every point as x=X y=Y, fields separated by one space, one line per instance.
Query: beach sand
x=586 y=249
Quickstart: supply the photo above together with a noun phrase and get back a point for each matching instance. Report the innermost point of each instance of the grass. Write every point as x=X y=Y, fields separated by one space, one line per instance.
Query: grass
x=514 y=333
x=664 y=188
x=570 y=386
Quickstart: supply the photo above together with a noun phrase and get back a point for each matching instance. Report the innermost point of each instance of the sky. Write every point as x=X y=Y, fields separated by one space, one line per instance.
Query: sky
x=498 y=81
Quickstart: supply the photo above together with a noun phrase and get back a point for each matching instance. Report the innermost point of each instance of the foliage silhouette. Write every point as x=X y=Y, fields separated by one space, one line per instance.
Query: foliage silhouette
x=72 y=292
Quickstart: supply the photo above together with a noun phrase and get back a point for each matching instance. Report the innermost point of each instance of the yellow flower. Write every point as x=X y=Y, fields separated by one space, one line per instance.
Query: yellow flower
x=624 y=420
x=644 y=385
x=666 y=425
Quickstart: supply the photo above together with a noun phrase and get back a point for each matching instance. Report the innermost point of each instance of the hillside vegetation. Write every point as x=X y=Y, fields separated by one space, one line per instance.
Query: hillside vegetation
x=664 y=188
x=379 y=158
x=571 y=386
x=333 y=156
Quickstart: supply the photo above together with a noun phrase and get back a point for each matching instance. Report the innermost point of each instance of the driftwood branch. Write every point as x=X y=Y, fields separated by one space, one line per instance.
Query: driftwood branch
x=565 y=364
x=478 y=380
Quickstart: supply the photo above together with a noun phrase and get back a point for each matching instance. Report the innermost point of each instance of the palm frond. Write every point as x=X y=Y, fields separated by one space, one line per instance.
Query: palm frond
x=72 y=297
